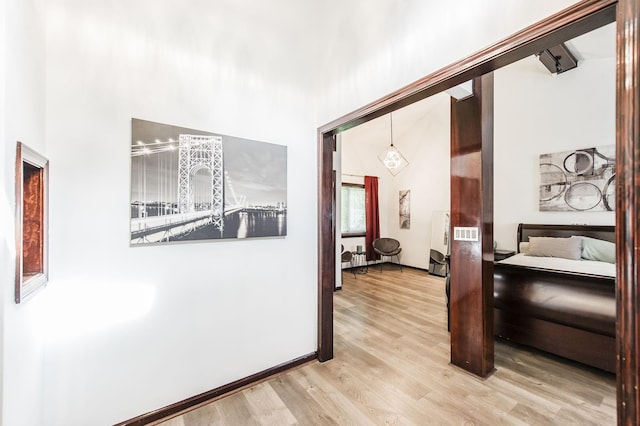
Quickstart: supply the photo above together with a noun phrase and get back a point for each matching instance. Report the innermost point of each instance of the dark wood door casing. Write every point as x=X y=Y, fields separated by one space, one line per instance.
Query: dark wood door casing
x=471 y=293
x=326 y=245
x=627 y=210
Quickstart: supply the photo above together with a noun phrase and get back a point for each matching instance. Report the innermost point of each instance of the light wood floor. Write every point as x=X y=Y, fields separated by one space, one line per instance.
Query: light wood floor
x=391 y=366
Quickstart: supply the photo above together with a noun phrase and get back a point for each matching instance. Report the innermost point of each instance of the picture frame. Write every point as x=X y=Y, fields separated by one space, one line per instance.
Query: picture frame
x=405 y=208
x=32 y=222
x=192 y=185
x=578 y=180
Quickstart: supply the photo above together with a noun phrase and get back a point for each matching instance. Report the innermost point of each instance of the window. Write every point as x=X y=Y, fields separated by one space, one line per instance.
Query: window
x=353 y=223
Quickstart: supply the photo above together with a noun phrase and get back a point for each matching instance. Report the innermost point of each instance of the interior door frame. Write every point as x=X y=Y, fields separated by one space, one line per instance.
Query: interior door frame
x=564 y=25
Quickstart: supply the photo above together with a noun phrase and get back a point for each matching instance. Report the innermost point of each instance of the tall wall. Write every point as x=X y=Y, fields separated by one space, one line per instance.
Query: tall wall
x=23 y=114
x=5 y=275
x=133 y=329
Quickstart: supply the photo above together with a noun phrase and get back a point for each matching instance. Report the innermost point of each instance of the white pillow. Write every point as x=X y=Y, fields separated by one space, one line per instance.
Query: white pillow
x=600 y=250
x=567 y=248
x=524 y=247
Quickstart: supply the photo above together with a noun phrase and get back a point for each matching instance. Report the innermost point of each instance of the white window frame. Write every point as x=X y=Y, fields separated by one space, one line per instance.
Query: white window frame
x=346 y=230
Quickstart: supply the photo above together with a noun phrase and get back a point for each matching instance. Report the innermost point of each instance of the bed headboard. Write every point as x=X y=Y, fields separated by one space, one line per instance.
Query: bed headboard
x=601 y=232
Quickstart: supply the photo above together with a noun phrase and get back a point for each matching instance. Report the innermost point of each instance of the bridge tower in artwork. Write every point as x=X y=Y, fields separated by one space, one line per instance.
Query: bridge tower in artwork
x=197 y=152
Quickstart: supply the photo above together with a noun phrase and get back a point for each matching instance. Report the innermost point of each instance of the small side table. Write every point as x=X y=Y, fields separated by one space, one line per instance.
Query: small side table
x=360 y=262
x=502 y=254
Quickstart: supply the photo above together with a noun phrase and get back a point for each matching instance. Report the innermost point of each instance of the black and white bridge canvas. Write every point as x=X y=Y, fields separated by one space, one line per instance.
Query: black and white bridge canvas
x=193 y=185
x=579 y=180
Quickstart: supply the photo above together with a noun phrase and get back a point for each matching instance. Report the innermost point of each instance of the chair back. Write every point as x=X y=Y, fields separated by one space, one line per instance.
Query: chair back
x=386 y=245
x=438 y=257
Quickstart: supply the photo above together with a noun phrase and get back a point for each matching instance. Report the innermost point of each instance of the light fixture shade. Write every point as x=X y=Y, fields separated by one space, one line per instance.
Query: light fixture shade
x=393 y=160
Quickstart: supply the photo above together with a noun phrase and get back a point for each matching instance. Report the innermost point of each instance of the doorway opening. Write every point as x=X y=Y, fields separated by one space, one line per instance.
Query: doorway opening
x=572 y=22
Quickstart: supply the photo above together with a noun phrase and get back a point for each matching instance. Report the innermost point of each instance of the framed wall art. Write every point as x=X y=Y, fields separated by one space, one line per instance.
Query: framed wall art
x=405 y=208
x=32 y=222
x=189 y=185
x=578 y=180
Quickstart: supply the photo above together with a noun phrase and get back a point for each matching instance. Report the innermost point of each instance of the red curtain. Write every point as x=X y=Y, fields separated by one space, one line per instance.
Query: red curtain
x=372 y=214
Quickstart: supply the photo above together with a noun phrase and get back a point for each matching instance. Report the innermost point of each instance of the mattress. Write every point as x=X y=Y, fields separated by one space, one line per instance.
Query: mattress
x=590 y=267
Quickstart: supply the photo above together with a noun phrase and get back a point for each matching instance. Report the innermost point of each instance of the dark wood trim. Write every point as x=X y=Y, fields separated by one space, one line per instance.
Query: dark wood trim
x=471 y=276
x=326 y=244
x=217 y=393
x=627 y=211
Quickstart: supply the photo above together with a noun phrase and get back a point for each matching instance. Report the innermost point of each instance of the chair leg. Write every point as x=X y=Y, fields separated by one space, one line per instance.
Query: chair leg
x=398 y=258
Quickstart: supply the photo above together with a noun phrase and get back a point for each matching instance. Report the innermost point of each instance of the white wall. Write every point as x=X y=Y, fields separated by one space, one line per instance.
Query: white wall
x=5 y=220
x=23 y=114
x=136 y=329
x=421 y=134
x=536 y=113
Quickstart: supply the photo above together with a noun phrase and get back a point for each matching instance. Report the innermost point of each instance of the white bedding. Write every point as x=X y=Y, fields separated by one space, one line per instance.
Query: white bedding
x=591 y=267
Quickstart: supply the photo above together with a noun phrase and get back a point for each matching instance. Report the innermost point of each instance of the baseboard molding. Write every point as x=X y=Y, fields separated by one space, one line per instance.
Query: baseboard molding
x=217 y=393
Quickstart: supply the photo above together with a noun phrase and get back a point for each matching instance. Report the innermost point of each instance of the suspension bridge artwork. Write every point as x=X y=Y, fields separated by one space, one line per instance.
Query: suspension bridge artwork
x=191 y=185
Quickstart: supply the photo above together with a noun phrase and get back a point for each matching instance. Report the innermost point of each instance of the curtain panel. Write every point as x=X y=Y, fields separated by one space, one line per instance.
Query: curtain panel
x=372 y=214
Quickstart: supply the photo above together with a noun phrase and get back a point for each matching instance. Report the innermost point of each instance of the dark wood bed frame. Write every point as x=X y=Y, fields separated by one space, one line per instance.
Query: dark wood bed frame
x=568 y=314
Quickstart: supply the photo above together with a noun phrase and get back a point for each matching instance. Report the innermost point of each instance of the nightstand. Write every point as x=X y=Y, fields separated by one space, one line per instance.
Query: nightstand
x=502 y=254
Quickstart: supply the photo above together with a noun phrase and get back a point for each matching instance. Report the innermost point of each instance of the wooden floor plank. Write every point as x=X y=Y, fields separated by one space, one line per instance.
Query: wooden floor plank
x=301 y=404
x=266 y=405
x=391 y=366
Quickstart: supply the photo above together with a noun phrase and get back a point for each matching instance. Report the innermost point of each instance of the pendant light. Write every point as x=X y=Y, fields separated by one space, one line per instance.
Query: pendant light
x=391 y=158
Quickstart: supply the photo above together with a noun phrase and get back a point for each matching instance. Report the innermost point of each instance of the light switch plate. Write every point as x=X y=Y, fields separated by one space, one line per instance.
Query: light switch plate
x=465 y=233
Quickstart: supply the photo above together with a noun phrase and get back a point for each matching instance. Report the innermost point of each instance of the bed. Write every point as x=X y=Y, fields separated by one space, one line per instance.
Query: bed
x=570 y=313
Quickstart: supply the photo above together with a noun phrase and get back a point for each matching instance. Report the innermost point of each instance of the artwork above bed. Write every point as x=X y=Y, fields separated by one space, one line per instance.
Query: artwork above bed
x=578 y=180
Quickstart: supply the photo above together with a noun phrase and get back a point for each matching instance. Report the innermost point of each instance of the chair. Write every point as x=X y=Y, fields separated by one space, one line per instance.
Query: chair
x=347 y=256
x=388 y=247
x=437 y=263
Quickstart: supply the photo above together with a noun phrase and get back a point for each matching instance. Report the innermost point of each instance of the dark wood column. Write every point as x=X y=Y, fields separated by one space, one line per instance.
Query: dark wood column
x=472 y=206
x=326 y=245
x=627 y=210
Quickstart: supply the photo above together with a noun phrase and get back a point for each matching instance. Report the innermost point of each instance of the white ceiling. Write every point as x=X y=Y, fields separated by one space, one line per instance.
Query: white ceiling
x=597 y=44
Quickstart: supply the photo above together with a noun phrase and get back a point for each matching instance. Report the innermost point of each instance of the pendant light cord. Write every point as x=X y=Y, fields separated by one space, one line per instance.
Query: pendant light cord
x=391 y=126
